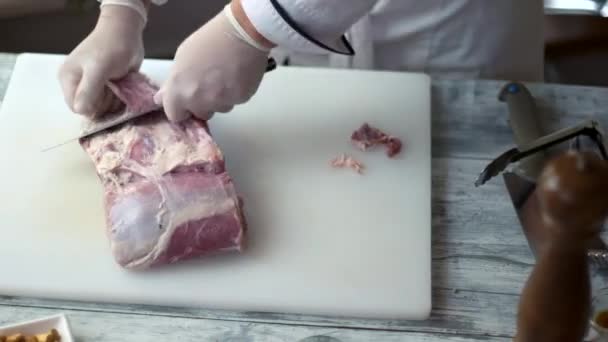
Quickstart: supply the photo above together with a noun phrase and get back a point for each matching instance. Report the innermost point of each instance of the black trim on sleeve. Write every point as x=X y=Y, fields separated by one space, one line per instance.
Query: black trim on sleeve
x=289 y=20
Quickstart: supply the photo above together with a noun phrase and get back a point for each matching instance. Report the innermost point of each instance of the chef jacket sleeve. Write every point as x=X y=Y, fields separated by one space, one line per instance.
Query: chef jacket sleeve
x=309 y=26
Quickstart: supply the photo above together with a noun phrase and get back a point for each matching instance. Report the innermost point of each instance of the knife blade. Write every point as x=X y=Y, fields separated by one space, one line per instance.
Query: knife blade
x=111 y=120
x=102 y=124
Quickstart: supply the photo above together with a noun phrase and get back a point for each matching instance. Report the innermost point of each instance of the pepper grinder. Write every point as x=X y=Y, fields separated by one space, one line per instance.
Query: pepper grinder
x=572 y=202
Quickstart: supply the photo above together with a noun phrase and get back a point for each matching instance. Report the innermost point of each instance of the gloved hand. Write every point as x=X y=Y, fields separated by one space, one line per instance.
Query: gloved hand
x=215 y=68
x=112 y=49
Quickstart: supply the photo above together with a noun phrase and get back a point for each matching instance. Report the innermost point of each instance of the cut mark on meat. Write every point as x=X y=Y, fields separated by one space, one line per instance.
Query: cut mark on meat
x=343 y=161
x=367 y=137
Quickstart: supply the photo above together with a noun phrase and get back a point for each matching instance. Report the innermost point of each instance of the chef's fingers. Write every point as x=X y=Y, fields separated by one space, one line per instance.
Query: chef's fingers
x=204 y=106
x=114 y=105
x=203 y=115
x=202 y=109
x=69 y=77
x=174 y=108
x=158 y=98
x=90 y=90
x=111 y=103
x=105 y=102
x=117 y=104
x=224 y=109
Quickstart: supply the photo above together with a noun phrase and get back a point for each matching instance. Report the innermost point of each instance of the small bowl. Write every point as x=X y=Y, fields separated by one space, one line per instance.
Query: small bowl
x=41 y=326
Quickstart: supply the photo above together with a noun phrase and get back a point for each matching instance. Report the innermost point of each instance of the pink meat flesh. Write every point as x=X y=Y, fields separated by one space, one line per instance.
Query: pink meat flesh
x=167 y=195
x=343 y=161
x=367 y=136
x=136 y=92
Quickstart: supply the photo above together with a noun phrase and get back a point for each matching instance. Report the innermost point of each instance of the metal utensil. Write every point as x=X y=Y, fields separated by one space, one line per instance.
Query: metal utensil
x=526 y=127
x=521 y=189
x=105 y=122
x=589 y=129
x=532 y=150
x=525 y=123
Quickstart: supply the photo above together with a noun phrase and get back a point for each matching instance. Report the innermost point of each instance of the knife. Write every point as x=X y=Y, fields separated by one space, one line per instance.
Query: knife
x=111 y=120
x=525 y=124
x=526 y=128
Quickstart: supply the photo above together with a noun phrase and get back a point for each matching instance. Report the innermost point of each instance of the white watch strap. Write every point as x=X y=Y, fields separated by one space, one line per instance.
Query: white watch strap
x=136 y=5
x=241 y=31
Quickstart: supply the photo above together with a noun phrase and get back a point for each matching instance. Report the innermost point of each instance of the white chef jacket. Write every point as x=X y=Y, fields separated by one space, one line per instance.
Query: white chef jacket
x=498 y=39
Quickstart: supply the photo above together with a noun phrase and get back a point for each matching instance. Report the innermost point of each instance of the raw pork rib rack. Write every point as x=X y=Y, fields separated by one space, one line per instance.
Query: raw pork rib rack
x=167 y=196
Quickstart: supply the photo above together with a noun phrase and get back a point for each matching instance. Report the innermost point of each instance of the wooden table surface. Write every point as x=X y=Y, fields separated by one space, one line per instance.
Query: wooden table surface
x=480 y=256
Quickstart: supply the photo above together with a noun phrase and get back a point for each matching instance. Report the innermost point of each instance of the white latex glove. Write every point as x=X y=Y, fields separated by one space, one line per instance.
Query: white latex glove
x=112 y=49
x=215 y=68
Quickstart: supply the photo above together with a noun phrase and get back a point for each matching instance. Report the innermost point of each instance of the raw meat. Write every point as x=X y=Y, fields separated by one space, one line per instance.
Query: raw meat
x=347 y=161
x=367 y=136
x=168 y=196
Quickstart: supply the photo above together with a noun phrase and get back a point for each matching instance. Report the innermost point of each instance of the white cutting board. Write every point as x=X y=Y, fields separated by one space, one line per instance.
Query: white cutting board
x=321 y=240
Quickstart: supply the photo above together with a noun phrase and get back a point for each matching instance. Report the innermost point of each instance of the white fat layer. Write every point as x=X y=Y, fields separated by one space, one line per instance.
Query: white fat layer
x=168 y=152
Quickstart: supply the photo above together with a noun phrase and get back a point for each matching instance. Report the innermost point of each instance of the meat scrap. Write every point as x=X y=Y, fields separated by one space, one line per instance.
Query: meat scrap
x=367 y=136
x=346 y=161
x=167 y=194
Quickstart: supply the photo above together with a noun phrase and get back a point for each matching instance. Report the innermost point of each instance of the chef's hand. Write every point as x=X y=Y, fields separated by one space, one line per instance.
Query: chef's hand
x=217 y=67
x=112 y=49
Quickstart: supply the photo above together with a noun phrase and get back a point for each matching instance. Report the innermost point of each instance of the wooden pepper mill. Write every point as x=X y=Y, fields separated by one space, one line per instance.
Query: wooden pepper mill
x=572 y=196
